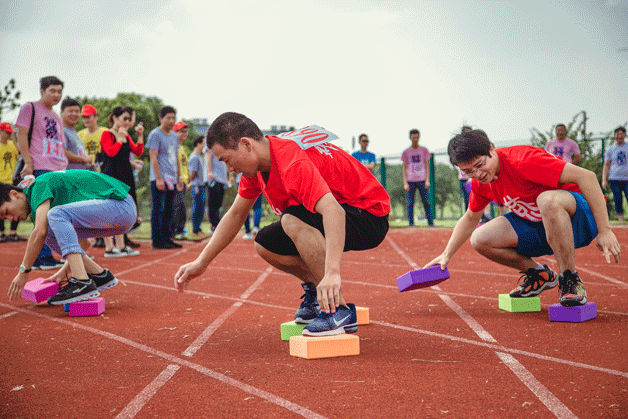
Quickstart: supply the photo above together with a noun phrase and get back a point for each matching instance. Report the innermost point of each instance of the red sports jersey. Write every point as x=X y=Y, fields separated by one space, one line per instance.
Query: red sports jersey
x=303 y=176
x=524 y=172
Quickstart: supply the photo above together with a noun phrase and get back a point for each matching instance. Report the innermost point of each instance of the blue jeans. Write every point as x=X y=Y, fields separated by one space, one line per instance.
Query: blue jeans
x=84 y=219
x=161 y=215
x=424 y=198
x=257 y=215
x=617 y=186
x=198 y=207
x=45 y=250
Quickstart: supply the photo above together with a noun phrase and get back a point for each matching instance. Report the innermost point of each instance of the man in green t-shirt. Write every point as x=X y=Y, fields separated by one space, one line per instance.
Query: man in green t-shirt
x=67 y=206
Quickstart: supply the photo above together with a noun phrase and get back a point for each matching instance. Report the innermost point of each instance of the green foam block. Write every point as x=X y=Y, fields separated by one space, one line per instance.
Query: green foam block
x=519 y=305
x=291 y=329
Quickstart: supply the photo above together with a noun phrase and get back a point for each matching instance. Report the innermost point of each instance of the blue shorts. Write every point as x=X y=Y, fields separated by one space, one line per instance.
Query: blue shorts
x=532 y=240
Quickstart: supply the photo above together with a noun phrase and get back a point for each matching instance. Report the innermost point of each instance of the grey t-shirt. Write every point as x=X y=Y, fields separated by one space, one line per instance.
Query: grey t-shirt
x=219 y=168
x=618 y=156
x=167 y=146
x=196 y=163
x=74 y=144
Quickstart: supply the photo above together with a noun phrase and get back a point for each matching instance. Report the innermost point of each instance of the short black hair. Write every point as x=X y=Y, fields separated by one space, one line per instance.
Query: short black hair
x=362 y=135
x=198 y=140
x=466 y=146
x=48 y=81
x=166 y=110
x=620 y=128
x=5 y=188
x=561 y=125
x=67 y=102
x=229 y=127
x=414 y=131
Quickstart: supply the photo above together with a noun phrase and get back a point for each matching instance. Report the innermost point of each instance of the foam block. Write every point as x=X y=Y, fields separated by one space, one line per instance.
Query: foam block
x=324 y=346
x=421 y=278
x=66 y=307
x=558 y=313
x=37 y=292
x=519 y=305
x=290 y=329
x=88 y=307
x=363 y=315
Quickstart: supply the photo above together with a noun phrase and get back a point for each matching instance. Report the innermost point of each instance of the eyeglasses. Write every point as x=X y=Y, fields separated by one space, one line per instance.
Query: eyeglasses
x=478 y=165
x=364 y=141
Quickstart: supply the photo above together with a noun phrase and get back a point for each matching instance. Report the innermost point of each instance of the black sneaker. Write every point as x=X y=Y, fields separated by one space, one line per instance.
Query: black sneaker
x=16 y=238
x=104 y=280
x=47 y=263
x=309 y=308
x=571 y=289
x=344 y=320
x=74 y=291
x=99 y=242
x=3 y=238
x=130 y=243
x=535 y=282
x=174 y=245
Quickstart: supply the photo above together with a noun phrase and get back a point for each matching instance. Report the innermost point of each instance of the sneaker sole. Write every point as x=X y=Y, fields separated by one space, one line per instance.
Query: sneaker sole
x=573 y=303
x=92 y=294
x=115 y=255
x=47 y=268
x=350 y=328
x=299 y=320
x=534 y=293
x=108 y=285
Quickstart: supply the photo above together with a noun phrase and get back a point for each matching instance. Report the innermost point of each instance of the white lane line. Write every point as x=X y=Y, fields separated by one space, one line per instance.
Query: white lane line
x=207 y=333
x=540 y=391
x=4 y=316
x=525 y=376
x=149 y=391
x=281 y=402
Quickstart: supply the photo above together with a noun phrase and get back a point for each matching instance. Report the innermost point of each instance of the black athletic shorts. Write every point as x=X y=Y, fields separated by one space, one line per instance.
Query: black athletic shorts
x=363 y=230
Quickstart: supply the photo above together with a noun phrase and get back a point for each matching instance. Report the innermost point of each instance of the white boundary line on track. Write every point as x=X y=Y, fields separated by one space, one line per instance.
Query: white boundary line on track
x=149 y=391
x=9 y=314
x=281 y=402
x=207 y=333
x=539 y=390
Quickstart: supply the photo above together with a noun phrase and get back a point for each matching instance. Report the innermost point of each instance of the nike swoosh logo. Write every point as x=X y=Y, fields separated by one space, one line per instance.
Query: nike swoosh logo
x=338 y=323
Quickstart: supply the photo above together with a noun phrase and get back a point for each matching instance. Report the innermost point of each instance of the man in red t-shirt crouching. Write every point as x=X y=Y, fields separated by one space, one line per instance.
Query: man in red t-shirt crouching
x=328 y=203
x=555 y=208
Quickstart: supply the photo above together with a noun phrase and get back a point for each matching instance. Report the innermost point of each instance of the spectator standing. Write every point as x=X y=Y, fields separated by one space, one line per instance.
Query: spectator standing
x=42 y=145
x=217 y=181
x=163 y=146
x=198 y=179
x=564 y=147
x=92 y=133
x=416 y=175
x=615 y=172
x=117 y=145
x=9 y=154
x=365 y=157
x=179 y=216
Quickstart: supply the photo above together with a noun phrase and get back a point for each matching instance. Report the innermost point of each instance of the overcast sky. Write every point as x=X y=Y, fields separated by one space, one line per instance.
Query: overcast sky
x=379 y=67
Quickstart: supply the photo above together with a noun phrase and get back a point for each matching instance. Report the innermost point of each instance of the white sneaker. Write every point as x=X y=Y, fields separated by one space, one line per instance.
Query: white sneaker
x=128 y=251
x=247 y=236
x=255 y=230
x=114 y=253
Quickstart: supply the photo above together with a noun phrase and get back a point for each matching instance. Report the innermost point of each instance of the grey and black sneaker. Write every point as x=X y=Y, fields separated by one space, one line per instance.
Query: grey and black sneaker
x=309 y=308
x=344 y=320
x=535 y=282
x=75 y=290
x=104 y=280
x=571 y=288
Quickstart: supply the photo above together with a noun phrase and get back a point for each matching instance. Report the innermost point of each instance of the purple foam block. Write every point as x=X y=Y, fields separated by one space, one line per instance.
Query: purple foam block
x=576 y=314
x=88 y=307
x=37 y=292
x=422 y=278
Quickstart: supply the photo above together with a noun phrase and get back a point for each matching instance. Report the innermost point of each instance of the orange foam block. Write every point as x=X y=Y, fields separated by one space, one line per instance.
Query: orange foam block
x=324 y=346
x=363 y=315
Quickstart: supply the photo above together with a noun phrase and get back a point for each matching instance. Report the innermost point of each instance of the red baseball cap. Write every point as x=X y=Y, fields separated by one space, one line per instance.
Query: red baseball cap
x=5 y=126
x=180 y=125
x=88 y=110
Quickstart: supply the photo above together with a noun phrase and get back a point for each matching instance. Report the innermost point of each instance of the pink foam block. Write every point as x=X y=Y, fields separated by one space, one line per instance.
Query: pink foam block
x=37 y=292
x=422 y=278
x=576 y=314
x=88 y=307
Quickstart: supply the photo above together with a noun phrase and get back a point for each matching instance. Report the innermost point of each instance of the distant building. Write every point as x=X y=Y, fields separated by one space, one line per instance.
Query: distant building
x=201 y=126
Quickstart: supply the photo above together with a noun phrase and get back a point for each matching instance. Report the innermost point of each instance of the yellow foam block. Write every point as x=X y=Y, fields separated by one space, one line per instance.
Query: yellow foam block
x=324 y=346
x=363 y=315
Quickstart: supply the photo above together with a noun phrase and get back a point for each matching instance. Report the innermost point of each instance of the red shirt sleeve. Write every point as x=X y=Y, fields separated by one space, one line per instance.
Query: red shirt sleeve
x=136 y=149
x=249 y=187
x=109 y=144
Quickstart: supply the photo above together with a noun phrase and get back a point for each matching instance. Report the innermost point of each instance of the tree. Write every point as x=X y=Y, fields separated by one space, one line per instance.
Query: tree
x=9 y=97
x=447 y=189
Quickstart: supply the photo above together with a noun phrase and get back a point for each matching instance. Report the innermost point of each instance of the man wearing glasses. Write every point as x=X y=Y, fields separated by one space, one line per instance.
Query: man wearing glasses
x=365 y=157
x=555 y=208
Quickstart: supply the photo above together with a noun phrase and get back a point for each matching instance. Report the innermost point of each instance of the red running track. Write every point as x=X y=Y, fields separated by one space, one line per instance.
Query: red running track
x=215 y=351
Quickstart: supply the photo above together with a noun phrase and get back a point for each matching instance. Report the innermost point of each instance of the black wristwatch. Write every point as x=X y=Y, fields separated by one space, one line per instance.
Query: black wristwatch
x=23 y=269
